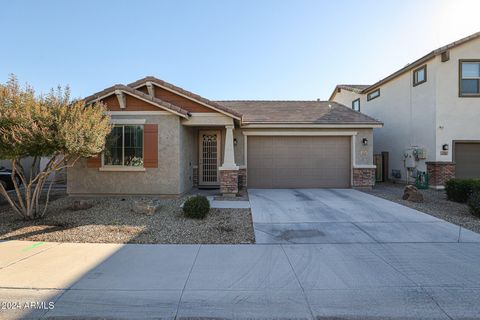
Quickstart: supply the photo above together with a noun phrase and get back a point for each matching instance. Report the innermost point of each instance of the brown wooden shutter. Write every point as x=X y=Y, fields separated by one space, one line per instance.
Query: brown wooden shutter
x=150 y=146
x=95 y=161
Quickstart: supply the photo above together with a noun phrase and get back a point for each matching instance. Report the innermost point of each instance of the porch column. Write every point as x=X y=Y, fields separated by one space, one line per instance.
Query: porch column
x=229 y=170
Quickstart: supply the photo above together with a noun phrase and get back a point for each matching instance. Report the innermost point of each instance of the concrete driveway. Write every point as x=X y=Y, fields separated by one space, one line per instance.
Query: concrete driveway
x=373 y=260
x=284 y=216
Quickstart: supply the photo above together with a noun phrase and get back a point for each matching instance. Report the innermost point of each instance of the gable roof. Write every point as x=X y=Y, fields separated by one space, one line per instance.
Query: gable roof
x=137 y=94
x=413 y=65
x=211 y=104
x=422 y=60
x=298 y=112
x=357 y=88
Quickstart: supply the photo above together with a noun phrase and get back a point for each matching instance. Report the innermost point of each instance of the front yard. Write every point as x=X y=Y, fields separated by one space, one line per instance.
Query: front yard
x=111 y=220
x=435 y=204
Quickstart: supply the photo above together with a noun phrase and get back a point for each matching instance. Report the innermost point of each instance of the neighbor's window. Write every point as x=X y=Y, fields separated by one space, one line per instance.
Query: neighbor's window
x=124 y=146
x=420 y=75
x=374 y=94
x=356 y=104
x=470 y=78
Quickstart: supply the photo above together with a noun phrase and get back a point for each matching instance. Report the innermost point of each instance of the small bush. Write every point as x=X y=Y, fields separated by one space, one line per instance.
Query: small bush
x=474 y=203
x=459 y=190
x=196 y=207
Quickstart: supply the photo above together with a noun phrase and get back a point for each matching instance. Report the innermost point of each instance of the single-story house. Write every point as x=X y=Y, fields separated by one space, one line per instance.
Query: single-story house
x=166 y=140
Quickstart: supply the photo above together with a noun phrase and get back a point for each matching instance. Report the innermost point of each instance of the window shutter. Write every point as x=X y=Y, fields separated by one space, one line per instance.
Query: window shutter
x=95 y=161
x=150 y=145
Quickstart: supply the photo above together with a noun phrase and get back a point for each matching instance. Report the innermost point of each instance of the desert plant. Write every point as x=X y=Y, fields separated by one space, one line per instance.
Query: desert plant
x=474 y=203
x=50 y=126
x=459 y=190
x=196 y=207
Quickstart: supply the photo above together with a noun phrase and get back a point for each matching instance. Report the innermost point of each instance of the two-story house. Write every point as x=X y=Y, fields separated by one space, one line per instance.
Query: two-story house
x=431 y=113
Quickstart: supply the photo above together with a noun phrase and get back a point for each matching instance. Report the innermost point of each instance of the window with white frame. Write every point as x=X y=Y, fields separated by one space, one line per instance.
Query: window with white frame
x=469 y=78
x=356 y=104
x=124 y=146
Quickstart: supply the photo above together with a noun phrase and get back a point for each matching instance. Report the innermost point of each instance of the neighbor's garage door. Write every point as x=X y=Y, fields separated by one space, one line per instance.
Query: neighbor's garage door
x=298 y=162
x=467 y=159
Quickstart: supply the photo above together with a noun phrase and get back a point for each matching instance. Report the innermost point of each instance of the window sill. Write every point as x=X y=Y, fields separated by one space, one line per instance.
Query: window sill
x=463 y=95
x=122 y=169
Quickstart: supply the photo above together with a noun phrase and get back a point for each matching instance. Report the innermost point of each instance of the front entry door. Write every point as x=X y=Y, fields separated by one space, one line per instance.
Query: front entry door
x=209 y=158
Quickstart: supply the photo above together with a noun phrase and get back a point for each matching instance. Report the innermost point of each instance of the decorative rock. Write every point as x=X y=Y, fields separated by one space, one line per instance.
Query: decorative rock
x=81 y=205
x=147 y=208
x=411 y=193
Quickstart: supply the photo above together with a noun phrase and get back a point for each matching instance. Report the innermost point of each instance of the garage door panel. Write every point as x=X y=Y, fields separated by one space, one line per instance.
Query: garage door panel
x=298 y=162
x=467 y=159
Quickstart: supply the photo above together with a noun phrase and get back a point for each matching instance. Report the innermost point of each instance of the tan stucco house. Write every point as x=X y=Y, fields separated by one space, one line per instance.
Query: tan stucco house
x=431 y=113
x=166 y=140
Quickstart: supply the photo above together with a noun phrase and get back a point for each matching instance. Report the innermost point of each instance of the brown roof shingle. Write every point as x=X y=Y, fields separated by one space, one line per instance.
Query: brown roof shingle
x=291 y=112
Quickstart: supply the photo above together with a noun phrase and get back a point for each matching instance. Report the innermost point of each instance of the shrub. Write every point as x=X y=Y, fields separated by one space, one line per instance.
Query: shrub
x=459 y=190
x=474 y=203
x=196 y=207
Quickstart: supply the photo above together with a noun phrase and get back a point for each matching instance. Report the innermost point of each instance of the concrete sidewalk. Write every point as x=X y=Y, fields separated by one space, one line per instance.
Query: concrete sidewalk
x=302 y=281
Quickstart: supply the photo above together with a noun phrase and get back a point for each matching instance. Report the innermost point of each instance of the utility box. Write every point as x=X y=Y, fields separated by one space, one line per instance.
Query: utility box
x=410 y=158
x=420 y=153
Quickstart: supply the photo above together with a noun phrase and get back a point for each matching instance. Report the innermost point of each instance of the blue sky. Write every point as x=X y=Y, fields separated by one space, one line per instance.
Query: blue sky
x=224 y=49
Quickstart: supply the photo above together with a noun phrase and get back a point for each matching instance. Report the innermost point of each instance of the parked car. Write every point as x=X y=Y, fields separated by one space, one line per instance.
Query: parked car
x=6 y=178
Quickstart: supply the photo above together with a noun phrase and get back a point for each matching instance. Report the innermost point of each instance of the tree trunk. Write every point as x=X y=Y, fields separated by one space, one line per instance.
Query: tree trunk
x=27 y=204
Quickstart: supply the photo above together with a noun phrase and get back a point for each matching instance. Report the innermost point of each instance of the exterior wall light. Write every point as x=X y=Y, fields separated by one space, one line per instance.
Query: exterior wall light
x=365 y=141
x=235 y=141
x=445 y=147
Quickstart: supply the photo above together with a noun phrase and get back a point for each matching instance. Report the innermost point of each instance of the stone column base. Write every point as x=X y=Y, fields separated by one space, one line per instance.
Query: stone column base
x=229 y=182
x=242 y=178
x=363 y=177
x=440 y=172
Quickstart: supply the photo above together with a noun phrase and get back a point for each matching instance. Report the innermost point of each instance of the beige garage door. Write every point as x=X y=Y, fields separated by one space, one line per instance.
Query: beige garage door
x=467 y=159
x=298 y=162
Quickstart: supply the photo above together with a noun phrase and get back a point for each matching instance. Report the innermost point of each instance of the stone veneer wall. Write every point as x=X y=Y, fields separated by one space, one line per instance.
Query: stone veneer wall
x=242 y=178
x=229 y=182
x=440 y=172
x=363 y=177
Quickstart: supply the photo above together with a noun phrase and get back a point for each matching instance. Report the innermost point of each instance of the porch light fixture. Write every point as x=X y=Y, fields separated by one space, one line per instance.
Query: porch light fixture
x=445 y=147
x=365 y=141
x=235 y=141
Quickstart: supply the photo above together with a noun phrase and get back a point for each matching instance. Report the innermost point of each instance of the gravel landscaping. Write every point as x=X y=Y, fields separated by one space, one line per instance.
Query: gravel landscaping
x=111 y=220
x=435 y=204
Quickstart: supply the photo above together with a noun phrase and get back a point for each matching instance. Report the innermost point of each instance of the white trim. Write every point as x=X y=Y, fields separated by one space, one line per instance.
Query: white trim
x=132 y=113
x=310 y=126
x=231 y=168
x=205 y=114
x=128 y=121
x=121 y=99
x=190 y=98
x=299 y=133
x=352 y=158
x=364 y=166
x=245 y=150
x=122 y=169
x=242 y=167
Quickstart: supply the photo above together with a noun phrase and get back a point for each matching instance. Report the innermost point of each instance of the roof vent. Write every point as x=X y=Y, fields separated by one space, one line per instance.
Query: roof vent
x=318 y=99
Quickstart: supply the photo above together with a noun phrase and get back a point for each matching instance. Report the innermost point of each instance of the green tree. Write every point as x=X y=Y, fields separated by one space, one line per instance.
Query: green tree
x=50 y=126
